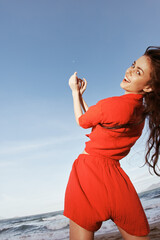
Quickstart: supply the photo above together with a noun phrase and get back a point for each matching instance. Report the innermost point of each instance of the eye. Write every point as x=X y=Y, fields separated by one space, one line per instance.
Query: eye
x=138 y=72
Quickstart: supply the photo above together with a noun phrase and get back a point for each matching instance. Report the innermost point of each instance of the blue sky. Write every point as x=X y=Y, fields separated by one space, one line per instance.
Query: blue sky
x=42 y=44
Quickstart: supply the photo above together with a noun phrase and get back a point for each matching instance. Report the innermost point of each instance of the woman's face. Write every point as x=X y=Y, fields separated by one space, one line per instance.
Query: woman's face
x=137 y=77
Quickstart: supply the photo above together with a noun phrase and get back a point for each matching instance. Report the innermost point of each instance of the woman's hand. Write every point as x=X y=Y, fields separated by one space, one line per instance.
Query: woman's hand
x=77 y=84
x=82 y=85
x=73 y=82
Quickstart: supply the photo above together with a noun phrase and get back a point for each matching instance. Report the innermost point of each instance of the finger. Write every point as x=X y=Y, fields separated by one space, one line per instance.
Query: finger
x=85 y=81
x=82 y=83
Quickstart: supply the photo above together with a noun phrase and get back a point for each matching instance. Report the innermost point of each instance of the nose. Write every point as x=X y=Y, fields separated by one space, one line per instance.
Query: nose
x=130 y=71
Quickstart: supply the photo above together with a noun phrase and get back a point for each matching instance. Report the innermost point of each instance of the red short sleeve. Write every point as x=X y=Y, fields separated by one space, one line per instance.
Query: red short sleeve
x=92 y=117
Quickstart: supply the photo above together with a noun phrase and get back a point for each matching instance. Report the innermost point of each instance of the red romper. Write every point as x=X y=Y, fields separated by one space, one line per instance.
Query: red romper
x=98 y=189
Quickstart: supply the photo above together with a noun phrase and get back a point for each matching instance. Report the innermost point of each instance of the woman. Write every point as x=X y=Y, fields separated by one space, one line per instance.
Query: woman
x=98 y=189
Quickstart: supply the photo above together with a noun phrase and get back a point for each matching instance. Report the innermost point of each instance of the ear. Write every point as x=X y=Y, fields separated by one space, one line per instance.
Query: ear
x=147 y=89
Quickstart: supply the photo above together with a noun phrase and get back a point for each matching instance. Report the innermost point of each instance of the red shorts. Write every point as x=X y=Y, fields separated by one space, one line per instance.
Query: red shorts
x=98 y=189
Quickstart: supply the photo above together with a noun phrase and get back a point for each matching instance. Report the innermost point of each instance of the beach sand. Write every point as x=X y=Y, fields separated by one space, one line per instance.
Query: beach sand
x=154 y=233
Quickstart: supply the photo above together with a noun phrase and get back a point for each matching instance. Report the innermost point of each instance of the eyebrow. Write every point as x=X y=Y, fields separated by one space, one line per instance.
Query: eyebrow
x=139 y=67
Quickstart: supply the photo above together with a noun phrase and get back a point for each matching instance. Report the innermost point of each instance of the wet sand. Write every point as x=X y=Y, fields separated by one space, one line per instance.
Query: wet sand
x=154 y=233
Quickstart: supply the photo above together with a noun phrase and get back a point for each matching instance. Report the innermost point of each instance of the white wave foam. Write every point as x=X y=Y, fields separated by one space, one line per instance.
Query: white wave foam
x=40 y=236
x=57 y=225
x=57 y=217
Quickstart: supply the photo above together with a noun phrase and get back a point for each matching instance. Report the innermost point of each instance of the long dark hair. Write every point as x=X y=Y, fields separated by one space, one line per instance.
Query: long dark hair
x=152 y=110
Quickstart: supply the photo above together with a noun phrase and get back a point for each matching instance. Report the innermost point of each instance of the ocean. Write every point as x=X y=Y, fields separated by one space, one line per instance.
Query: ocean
x=54 y=226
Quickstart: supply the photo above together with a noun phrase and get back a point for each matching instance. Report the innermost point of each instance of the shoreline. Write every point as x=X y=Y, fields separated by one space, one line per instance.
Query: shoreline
x=154 y=233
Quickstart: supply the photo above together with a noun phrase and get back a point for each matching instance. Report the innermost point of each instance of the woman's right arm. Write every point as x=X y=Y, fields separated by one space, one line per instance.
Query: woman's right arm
x=82 y=86
x=83 y=104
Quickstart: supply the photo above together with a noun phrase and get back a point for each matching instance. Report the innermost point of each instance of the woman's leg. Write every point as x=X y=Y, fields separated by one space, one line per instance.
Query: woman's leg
x=127 y=236
x=79 y=233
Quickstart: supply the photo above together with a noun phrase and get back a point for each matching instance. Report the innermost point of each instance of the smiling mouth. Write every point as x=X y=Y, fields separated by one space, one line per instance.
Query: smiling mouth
x=126 y=80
